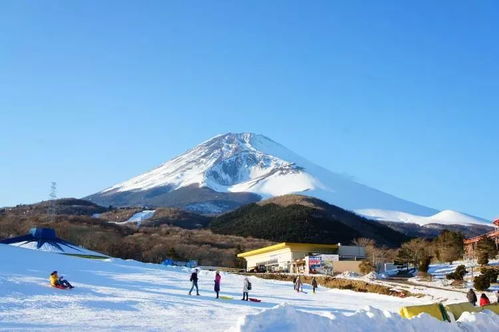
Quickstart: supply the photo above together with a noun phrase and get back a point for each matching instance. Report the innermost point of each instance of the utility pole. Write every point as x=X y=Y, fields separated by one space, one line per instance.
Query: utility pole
x=51 y=210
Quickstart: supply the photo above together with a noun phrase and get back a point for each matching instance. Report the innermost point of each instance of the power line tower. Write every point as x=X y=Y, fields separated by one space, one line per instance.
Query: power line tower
x=51 y=210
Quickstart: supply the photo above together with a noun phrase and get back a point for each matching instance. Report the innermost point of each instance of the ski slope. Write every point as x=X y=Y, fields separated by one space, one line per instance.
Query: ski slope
x=114 y=294
x=138 y=217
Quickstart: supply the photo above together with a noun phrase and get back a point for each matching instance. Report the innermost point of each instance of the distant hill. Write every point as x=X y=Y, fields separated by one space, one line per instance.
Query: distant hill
x=433 y=230
x=66 y=206
x=144 y=243
x=297 y=218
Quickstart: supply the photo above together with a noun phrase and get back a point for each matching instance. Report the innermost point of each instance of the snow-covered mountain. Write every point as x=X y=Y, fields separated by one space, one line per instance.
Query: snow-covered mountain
x=445 y=217
x=230 y=170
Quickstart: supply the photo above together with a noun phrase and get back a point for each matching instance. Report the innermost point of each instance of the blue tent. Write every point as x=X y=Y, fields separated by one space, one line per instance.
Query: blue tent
x=191 y=263
x=42 y=236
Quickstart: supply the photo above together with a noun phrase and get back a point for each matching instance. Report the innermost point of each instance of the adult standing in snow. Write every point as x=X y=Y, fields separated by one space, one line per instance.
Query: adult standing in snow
x=298 y=284
x=314 y=284
x=484 y=300
x=218 y=278
x=194 y=279
x=471 y=297
x=246 y=289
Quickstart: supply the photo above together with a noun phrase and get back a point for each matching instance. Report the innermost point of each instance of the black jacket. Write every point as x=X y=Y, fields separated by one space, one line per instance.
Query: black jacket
x=194 y=276
x=471 y=296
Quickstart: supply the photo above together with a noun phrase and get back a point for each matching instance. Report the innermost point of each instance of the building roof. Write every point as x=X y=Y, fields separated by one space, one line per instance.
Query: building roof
x=492 y=235
x=291 y=245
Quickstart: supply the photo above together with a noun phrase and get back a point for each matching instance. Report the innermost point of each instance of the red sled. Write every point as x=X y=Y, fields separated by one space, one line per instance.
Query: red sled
x=254 y=300
x=59 y=287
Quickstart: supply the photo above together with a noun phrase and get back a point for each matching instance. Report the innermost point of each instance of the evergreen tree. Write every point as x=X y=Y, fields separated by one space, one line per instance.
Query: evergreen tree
x=481 y=283
x=458 y=274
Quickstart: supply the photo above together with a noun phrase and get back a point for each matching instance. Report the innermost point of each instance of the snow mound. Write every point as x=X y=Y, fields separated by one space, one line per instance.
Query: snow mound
x=371 y=276
x=348 y=275
x=290 y=319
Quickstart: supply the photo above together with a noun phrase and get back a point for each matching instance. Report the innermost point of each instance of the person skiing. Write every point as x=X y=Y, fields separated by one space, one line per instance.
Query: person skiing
x=194 y=279
x=471 y=297
x=218 y=278
x=314 y=284
x=298 y=284
x=484 y=300
x=59 y=282
x=246 y=289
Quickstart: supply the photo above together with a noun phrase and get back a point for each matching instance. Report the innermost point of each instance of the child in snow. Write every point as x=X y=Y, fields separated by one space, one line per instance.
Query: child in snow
x=484 y=300
x=314 y=284
x=218 y=278
x=59 y=282
x=246 y=289
x=194 y=279
x=471 y=297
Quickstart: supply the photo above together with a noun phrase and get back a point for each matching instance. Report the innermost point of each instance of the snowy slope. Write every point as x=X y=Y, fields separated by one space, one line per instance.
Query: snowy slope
x=250 y=163
x=139 y=217
x=446 y=217
x=122 y=295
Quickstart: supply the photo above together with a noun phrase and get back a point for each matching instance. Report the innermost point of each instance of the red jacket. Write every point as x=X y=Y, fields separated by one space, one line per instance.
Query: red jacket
x=484 y=301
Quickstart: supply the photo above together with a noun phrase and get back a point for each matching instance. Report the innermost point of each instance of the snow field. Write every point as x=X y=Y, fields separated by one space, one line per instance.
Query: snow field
x=114 y=294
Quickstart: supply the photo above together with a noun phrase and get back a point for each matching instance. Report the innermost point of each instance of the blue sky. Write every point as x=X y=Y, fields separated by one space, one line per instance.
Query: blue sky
x=401 y=96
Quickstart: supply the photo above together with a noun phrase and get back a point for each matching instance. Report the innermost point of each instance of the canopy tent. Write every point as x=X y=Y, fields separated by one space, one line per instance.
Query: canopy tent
x=45 y=239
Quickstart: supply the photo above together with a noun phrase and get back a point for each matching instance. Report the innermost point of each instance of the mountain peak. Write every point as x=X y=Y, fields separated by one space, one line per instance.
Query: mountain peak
x=232 y=169
x=244 y=140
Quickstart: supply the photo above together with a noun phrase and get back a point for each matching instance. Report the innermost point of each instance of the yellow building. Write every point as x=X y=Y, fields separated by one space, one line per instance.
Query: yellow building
x=293 y=257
